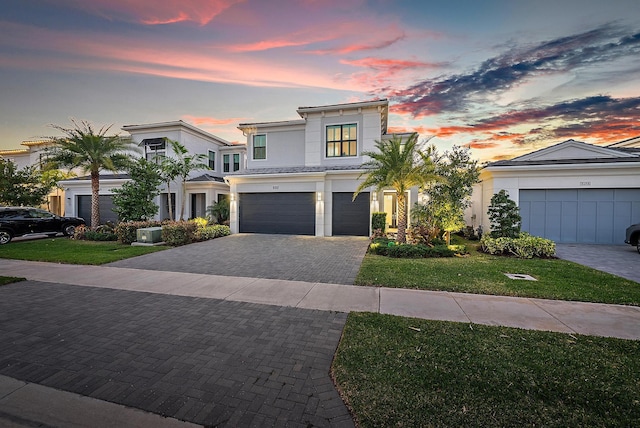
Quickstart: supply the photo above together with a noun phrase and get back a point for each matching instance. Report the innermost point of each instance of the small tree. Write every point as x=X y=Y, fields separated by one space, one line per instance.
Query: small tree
x=23 y=187
x=134 y=200
x=449 y=197
x=504 y=216
x=180 y=167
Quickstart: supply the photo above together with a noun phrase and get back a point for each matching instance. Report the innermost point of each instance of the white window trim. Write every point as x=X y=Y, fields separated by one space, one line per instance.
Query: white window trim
x=215 y=159
x=324 y=140
x=266 y=144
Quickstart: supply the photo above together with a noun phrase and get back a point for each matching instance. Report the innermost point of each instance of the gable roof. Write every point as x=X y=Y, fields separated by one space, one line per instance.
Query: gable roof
x=573 y=152
x=176 y=124
x=633 y=142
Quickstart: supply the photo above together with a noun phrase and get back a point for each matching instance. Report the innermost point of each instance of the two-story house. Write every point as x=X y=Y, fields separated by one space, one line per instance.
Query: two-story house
x=203 y=188
x=301 y=174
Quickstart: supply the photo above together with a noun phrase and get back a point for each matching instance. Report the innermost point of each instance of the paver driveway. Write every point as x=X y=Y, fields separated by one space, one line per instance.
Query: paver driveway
x=621 y=260
x=334 y=260
x=212 y=362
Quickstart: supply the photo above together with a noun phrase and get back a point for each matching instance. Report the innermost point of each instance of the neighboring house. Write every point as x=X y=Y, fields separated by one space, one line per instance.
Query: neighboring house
x=204 y=187
x=34 y=154
x=572 y=192
x=301 y=174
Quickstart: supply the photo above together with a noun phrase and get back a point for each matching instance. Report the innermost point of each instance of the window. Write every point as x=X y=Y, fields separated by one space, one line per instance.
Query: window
x=155 y=149
x=342 y=140
x=225 y=163
x=260 y=146
x=212 y=160
x=236 y=162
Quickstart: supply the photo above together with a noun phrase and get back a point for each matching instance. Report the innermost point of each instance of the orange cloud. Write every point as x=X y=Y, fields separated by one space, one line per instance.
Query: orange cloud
x=482 y=145
x=212 y=121
x=154 y=12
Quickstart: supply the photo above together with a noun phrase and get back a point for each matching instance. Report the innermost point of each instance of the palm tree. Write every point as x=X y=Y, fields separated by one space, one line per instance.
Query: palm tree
x=180 y=167
x=91 y=151
x=398 y=164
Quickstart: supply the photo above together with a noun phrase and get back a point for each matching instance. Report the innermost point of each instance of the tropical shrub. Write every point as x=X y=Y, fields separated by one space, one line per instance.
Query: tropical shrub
x=389 y=248
x=379 y=221
x=504 y=216
x=105 y=232
x=525 y=246
x=176 y=233
x=212 y=232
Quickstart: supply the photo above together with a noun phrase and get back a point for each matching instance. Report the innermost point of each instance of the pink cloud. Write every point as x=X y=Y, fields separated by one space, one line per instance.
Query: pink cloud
x=212 y=121
x=153 y=12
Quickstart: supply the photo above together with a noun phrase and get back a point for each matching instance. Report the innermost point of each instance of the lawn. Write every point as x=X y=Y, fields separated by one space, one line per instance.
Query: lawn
x=484 y=274
x=9 y=279
x=64 y=250
x=395 y=371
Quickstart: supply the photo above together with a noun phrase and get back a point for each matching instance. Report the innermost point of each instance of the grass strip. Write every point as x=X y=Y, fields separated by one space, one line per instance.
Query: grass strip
x=4 y=280
x=484 y=274
x=64 y=250
x=396 y=371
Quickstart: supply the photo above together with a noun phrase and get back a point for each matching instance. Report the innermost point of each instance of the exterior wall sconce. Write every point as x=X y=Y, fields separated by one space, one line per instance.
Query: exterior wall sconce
x=375 y=197
x=319 y=196
x=233 y=196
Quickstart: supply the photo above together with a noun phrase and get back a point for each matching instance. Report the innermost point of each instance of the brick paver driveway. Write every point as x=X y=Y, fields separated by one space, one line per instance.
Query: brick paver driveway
x=299 y=258
x=212 y=362
x=621 y=260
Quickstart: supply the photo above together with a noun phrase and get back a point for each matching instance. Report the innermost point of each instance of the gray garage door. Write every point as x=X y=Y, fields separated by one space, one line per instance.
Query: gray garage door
x=590 y=216
x=350 y=217
x=106 y=209
x=283 y=213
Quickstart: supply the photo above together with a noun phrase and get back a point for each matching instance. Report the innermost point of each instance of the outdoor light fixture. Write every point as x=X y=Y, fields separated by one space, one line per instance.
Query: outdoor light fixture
x=375 y=197
x=233 y=196
x=319 y=196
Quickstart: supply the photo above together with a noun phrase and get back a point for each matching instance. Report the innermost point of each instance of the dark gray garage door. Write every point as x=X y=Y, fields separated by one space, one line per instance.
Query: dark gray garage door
x=593 y=216
x=285 y=213
x=350 y=217
x=106 y=209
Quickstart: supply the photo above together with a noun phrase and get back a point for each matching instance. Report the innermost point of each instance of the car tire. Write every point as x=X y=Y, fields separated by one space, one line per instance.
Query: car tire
x=68 y=229
x=638 y=246
x=5 y=237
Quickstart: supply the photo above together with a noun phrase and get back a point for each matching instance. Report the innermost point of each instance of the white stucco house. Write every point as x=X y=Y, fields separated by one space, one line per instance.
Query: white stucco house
x=572 y=192
x=301 y=174
x=204 y=187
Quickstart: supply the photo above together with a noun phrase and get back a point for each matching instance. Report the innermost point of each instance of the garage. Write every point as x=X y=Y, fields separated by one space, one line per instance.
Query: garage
x=350 y=217
x=590 y=216
x=106 y=209
x=279 y=213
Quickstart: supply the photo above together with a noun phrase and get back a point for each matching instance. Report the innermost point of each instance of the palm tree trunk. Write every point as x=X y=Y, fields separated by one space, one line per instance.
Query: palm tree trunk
x=182 y=200
x=402 y=218
x=95 y=199
x=169 y=201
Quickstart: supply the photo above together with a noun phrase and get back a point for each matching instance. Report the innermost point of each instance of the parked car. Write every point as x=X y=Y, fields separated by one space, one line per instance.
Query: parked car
x=633 y=235
x=20 y=221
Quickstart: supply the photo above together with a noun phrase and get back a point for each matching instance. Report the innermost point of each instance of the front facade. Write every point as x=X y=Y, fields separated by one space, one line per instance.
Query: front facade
x=301 y=174
x=203 y=188
x=571 y=192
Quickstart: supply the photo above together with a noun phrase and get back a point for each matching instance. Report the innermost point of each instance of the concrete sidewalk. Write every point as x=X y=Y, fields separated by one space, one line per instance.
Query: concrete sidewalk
x=527 y=313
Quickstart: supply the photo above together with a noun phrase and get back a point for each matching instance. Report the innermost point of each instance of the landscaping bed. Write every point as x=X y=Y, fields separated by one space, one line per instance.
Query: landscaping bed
x=395 y=371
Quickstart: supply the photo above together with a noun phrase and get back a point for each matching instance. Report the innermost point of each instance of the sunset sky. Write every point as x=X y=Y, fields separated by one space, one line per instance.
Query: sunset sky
x=505 y=77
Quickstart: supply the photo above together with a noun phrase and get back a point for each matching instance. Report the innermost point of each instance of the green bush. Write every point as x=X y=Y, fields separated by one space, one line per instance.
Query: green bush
x=176 y=233
x=386 y=247
x=525 y=246
x=126 y=231
x=212 y=232
x=379 y=221
x=94 y=235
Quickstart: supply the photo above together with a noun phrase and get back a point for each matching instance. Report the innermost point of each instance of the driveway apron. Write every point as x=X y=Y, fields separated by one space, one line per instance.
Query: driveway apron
x=621 y=260
x=211 y=362
x=334 y=260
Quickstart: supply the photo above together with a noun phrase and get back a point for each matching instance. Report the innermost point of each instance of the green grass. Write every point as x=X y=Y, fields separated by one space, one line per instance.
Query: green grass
x=395 y=371
x=9 y=279
x=484 y=274
x=64 y=250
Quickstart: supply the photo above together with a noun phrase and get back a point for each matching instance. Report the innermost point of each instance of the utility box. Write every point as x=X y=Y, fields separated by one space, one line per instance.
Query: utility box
x=149 y=235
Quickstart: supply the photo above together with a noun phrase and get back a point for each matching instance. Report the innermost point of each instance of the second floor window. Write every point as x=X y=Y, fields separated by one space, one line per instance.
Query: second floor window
x=236 y=162
x=225 y=163
x=155 y=149
x=259 y=147
x=342 y=140
x=212 y=160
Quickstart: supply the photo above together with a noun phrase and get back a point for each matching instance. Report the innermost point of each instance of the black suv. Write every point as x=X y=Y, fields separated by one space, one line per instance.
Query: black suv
x=19 y=221
x=633 y=235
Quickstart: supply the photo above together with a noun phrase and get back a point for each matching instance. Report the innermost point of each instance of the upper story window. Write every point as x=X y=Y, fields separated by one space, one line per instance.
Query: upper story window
x=342 y=140
x=155 y=149
x=259 y=146
x=226 y=162
x=212 y=160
